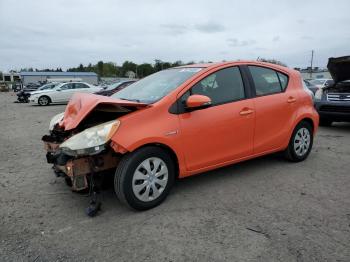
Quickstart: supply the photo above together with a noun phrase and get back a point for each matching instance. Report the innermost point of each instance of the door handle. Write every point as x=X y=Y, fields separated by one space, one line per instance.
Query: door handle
x=246 y=111
x=291 y=100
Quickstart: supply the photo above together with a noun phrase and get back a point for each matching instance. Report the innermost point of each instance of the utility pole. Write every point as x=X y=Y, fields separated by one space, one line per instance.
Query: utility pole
x=312 y=60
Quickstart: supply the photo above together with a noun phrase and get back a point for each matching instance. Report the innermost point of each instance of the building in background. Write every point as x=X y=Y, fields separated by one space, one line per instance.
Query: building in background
x=11 y=80
x=43 y=77
x=10 y=77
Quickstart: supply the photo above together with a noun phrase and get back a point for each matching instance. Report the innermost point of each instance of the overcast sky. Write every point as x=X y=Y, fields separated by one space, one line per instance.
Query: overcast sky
x=65 y=33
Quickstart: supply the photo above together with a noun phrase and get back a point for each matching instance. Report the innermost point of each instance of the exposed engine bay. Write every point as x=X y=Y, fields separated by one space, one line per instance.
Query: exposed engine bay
x=333 y=102
x=77 y=165
x=341 y=87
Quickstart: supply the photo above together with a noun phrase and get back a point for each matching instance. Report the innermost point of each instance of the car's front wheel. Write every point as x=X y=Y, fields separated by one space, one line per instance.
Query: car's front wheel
x=44 y=100
x=300 y=143
x=144 y=177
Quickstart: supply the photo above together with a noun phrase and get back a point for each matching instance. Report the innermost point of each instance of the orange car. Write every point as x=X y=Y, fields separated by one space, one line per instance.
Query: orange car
x=180 y=122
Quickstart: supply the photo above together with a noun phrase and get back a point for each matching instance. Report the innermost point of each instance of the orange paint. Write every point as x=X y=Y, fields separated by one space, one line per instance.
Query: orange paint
x=215 y=136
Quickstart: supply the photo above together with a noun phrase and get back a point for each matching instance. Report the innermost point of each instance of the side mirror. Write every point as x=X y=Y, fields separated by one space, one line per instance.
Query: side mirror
x=58 y=89
x=195 y=102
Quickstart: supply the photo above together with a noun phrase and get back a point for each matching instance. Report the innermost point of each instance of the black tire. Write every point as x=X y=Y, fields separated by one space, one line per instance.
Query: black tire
x=290 y=152
x=325 y=122
x=44 y=101
x=123 y=178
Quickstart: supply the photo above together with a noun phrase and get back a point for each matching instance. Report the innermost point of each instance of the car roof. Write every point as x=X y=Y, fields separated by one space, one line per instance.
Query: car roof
x=240 y=62
x=74 y=82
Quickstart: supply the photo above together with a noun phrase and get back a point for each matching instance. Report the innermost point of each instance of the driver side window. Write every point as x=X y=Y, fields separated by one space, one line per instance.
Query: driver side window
x=221 y=87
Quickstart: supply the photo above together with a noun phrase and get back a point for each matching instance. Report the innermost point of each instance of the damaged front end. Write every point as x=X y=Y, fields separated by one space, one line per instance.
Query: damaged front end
x=78 y=145
x=78 y=156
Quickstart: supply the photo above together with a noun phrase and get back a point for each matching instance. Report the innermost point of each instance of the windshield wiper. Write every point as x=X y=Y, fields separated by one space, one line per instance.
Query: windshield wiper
x=130 y=99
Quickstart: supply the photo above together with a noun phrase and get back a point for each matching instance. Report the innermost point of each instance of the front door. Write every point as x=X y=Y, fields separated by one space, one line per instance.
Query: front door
x=222 y=132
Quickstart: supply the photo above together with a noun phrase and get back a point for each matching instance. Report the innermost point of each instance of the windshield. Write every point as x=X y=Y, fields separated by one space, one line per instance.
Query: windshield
x=154 y=87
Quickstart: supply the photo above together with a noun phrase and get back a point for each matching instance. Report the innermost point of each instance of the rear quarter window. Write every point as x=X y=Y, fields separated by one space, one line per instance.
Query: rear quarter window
x=283 y=80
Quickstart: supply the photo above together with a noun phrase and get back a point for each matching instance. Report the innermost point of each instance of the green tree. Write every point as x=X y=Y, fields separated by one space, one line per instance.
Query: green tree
x=81 y=68
x=166 y=65
x=100 y=68
x=118 y=71
x=90 y=68
x=144 y=69
x=128 y=66
x=177 y=63
x=110 y=69
x=272 y=61
x=158 y=65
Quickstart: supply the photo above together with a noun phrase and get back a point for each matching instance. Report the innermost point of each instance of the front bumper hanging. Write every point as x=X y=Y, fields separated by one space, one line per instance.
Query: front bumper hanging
x=78 y=169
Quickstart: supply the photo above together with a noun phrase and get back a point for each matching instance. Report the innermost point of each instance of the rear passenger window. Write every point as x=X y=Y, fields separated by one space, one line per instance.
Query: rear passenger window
x=80 y=85
x=267 y=81
x=223 y=86
x=283 y=80
x=67 y=86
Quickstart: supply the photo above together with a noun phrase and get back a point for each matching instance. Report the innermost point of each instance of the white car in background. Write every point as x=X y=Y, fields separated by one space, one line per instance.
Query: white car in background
x=61 y=93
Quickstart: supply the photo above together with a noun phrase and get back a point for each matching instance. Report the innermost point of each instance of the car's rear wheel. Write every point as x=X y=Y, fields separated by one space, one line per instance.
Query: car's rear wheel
x=44 y=100
x=144 y=178
x=325 y=122
x=300 y=143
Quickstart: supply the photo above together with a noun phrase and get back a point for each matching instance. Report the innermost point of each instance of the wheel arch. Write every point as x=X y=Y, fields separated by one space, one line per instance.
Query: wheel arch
x=50 y=100
x=307 y=119
x=167 y=149
x=291 y=156
x=308 y=115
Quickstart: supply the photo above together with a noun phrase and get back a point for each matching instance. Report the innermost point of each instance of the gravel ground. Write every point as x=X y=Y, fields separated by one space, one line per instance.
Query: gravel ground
x=265 y=209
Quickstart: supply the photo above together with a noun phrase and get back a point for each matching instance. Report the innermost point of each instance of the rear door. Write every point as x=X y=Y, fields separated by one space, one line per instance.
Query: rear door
x=275 y=108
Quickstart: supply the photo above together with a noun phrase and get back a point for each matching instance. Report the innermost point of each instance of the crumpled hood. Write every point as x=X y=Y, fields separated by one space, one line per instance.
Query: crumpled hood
x=81 y=104
x=339 y=68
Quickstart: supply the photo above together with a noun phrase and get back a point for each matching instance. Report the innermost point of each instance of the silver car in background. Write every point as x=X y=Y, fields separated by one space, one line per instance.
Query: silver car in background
x=61 y=93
